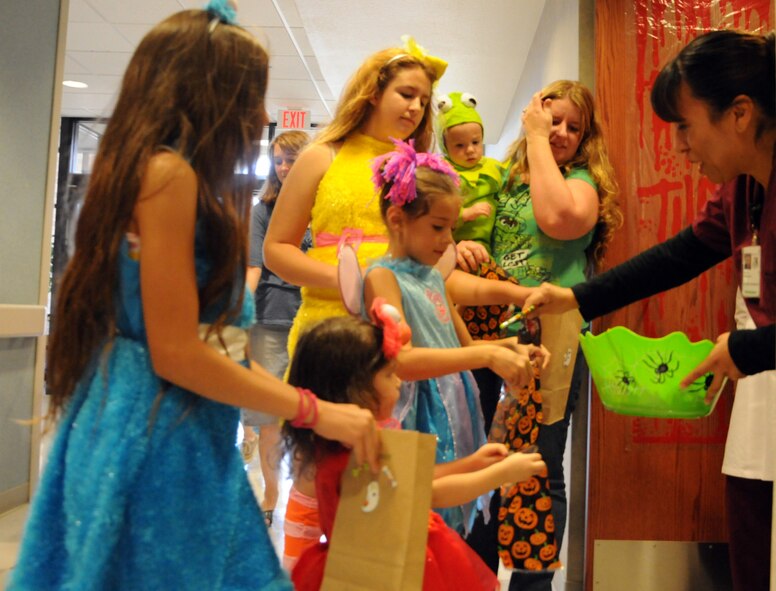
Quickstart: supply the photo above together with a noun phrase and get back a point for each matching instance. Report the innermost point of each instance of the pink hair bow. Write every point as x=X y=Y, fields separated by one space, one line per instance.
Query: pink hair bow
x=398 y=168
x=395 y=332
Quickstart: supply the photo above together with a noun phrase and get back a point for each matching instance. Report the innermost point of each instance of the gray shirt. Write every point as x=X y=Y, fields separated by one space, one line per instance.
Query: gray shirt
x=276 y=300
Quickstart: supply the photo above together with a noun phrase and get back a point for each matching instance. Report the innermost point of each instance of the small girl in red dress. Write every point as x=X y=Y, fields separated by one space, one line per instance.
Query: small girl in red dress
x=345 y=359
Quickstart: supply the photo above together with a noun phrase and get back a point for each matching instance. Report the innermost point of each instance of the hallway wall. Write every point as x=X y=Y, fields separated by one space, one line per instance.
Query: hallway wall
x=29 y=40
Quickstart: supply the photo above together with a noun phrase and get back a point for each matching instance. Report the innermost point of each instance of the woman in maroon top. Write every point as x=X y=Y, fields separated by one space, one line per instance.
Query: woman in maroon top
x=719 y=91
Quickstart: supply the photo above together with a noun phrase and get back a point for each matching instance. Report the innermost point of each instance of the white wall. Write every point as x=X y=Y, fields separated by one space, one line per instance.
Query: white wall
x=554 y=55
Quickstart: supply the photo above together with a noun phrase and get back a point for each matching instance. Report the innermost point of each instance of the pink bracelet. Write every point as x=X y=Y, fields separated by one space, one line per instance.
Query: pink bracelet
x=308 y=402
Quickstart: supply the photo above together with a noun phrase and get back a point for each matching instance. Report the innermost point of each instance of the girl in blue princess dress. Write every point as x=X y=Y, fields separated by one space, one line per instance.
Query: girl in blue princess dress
x=420 y=203
x=144 y=487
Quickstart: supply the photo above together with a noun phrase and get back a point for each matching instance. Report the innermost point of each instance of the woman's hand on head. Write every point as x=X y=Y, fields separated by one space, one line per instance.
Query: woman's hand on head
x=719 y=363
x=537 y=118
x=354 y=427
x=470 y=255
x=550 y=299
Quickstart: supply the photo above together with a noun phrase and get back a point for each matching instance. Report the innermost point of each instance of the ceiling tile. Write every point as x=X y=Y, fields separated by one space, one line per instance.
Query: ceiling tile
x=100 y=62
x=299 y=89
x=80 y=12
x=72 y=66
x=137 y=11
x=95 y=37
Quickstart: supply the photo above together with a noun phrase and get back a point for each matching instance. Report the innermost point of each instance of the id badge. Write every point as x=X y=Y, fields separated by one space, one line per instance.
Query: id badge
x=750 y=266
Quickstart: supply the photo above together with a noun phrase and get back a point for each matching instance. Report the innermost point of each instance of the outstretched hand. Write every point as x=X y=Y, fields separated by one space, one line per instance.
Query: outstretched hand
x=538 y=354
x=354 y=427
x=516 y=369
x=487 y=455
x=521 y=466
x=470 y=255
x=718 y=363
x=549 y=299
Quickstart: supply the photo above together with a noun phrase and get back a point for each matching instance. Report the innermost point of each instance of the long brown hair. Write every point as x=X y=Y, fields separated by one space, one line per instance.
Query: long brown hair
x=369 y=81
x=196 y=86
x=591 y=154
x=290 y=142
x=337 y=359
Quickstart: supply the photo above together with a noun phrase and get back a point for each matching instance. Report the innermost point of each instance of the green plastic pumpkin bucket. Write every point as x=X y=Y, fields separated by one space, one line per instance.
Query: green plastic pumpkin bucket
x=640 y=376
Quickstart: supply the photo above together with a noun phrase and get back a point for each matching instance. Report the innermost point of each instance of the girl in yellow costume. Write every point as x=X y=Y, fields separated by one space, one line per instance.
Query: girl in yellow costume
x=330 y=188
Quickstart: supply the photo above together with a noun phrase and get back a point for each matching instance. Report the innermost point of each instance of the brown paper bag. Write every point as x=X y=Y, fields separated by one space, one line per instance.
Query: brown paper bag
x=384 y=549
x=560 y=334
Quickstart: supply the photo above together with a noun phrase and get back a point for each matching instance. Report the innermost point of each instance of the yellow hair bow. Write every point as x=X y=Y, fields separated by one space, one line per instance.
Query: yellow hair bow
x=412 y=48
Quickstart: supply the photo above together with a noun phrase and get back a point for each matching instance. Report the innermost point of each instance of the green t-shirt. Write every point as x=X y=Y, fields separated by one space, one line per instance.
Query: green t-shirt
x=528 y=254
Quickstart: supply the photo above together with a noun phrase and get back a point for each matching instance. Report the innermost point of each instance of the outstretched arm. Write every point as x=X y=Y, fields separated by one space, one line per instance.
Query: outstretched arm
x=470 y=290
x=462 y=487
x=420 y=363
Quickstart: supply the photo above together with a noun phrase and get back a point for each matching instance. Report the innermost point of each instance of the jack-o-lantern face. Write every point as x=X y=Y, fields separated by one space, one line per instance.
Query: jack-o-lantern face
x=538 y=538
x=511 y=421
x=534 y=433
x=524 y=425
x=530 y=411
x=530 y=486
x=515 y=505
x=526 y=518
x=506 y=559
x=516 y=442
x=521 y=549
x=548 y=552
x=540 y=417
x=549 y=524
x=502 y=513
x=523 y=396
x=544 y=503
x=533 y=564
x=536 y=396
x=505 y=534
x=468 y=314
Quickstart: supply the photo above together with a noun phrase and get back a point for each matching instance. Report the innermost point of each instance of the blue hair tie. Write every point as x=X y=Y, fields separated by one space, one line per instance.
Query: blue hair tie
x=224 y=10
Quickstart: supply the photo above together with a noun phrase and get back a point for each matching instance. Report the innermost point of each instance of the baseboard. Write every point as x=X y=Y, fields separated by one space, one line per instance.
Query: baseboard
x=14 y=497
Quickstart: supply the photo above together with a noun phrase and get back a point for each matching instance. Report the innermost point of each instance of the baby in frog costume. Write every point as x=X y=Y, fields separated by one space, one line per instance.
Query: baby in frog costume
x=461 y=132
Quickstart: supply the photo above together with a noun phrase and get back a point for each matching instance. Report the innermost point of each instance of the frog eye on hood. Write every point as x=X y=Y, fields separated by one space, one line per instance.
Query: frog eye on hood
x=444 y=104
x=469 y=100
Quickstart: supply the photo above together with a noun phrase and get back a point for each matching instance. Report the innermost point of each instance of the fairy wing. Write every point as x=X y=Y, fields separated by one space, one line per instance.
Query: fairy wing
x=351 y=282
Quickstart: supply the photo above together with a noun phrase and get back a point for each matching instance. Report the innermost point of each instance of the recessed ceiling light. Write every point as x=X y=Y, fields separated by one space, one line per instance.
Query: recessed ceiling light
x=75 y=84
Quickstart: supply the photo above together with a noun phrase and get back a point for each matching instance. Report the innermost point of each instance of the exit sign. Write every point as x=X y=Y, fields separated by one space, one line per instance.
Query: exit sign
x=288 y=119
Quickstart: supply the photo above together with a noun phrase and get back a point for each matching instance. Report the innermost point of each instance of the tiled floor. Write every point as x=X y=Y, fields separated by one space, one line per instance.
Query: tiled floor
x=12 y=525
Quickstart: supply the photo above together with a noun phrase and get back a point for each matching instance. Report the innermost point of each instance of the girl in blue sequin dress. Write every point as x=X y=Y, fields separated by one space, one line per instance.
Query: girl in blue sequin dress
x=420 y=205
x=144 y=487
